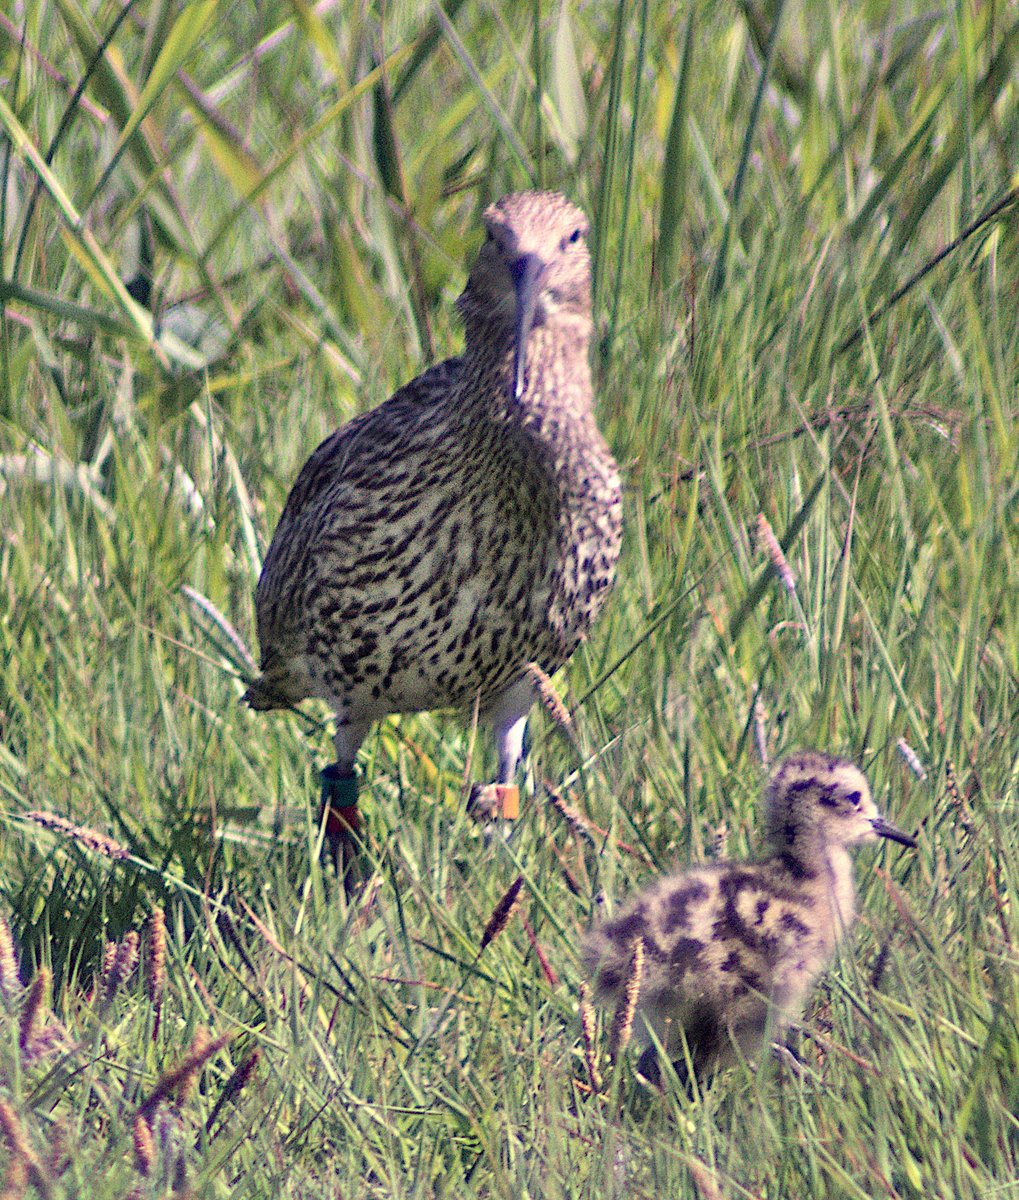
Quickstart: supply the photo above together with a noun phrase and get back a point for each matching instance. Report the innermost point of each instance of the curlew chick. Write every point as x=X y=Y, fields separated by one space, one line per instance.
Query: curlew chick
x=731 y=949
x=434 y=547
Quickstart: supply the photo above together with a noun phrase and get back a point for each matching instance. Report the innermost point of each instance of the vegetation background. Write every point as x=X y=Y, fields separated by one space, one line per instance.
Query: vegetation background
x=228 y=227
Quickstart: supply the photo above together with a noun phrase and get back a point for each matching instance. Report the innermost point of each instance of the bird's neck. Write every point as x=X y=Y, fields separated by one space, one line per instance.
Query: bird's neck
x=557 y=376
x=842 y=890
x=813 y=865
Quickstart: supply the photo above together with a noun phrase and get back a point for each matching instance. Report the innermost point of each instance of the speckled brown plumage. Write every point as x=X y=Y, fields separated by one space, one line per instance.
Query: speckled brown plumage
x=732 y=948
x=434 y=546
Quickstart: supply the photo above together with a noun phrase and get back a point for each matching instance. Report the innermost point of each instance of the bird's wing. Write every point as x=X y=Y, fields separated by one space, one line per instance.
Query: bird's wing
x=355 y=454
x=329 y=525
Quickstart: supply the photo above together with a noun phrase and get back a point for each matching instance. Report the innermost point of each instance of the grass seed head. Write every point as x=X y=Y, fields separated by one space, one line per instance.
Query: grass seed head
x=120 y=969
x=13 y=1131
x=28 y=1029
x=15 y=1181
x=622 y=1021
x=89 y=838
x=502 y=912
x=577 y=823
x=9 y=975
x=550 y=699
x=588 y=1026
x=157 y=956
x=776 y=556
x=32 y=1170
x=144 y=1146
x=157 y=965
x=234 y=1086
x=181 y=1079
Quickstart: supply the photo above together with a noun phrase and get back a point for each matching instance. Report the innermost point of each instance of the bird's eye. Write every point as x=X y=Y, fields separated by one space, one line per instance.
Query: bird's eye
x=854 y=799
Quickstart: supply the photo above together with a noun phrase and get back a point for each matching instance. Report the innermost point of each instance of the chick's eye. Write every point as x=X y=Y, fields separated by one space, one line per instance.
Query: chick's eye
x=854 y=799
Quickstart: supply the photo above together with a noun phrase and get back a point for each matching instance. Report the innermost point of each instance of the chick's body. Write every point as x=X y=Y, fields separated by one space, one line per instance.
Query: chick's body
x=435 y=546
x=732 y=948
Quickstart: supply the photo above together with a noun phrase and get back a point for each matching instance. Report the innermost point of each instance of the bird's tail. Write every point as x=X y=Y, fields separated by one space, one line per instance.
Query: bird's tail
x=265 y=693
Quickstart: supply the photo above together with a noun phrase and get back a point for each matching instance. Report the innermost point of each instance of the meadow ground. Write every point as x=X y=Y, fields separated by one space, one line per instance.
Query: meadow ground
x=767 y=184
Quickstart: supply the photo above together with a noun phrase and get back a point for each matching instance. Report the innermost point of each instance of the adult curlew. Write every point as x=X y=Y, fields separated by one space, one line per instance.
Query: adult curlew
x=435 y=546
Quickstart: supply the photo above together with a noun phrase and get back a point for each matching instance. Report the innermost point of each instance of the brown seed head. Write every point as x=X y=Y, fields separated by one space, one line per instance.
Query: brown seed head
x=502 y=912
x=157 y=955
x=90 y=838
x=182 y=1078
x=38 y=990
x=549 y=697
x=622 y=1022
x=125 y=959
x=144 y=1146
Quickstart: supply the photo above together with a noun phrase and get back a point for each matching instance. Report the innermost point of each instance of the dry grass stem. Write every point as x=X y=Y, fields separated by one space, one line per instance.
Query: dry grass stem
x=761 y=730
x=622 y=1021
x=90 y=838
x=551 y=978
x=502 y=912
x=959 y=802
x=216 y=617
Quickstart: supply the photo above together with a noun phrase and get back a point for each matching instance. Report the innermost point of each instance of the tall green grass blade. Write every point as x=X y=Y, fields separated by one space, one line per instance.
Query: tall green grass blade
x=676 y=166
x=718 y=277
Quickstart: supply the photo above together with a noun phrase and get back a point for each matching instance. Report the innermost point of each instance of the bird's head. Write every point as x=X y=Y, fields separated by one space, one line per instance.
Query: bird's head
x=817 y=797
x=533 y=269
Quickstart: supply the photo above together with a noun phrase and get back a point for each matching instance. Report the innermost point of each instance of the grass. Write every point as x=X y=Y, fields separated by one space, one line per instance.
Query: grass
x=226 y=229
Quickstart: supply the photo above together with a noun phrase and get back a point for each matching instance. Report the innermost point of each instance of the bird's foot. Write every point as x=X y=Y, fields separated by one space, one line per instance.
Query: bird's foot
x=488 y=801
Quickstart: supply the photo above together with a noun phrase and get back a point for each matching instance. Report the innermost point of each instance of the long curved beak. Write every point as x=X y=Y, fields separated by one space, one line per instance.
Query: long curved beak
x=883 y=829
x=527 y=273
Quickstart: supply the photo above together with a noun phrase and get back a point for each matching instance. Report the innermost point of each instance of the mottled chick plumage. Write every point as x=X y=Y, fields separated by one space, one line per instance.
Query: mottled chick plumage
x=434 y=546
x=732 y=948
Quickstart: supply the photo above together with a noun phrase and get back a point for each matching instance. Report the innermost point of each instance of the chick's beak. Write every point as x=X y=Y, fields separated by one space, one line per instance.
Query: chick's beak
x=527 y=272
x=884 y=829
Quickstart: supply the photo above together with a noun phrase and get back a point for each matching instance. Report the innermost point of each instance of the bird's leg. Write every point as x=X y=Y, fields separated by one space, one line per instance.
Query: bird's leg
x=508 y=716
x=339 y=794
x=510 y=745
